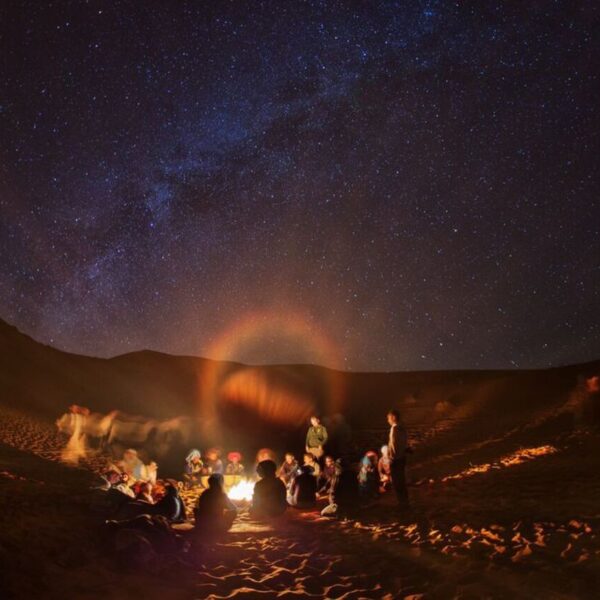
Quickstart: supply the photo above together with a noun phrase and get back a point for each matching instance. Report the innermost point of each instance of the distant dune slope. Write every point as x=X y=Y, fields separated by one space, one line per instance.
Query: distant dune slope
x=41 y=379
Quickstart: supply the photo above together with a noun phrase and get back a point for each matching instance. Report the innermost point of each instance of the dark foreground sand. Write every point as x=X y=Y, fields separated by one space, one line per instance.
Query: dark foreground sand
x=514 y=516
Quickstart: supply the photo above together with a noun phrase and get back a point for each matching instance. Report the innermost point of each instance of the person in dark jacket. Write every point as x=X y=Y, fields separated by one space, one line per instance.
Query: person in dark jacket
x=171 y=506
x=326 y=476
x=343 y=492
x=303 y=491
x=268 y=499
x=215 y=512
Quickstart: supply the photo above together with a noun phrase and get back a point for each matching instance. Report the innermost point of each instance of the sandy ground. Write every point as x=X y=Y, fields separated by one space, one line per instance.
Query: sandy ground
x=495 y=515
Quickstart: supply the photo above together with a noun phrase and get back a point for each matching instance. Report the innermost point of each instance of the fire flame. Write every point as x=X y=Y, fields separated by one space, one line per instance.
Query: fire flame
x=242 y=491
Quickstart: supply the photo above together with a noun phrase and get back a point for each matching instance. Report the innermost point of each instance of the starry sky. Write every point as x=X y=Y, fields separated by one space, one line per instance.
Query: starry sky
x=411 y=185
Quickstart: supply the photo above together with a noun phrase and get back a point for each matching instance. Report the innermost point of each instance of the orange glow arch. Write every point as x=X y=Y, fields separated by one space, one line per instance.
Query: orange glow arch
x=278 y=394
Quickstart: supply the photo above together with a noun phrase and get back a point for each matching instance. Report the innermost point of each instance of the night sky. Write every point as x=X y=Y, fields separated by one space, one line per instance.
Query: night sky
x=368 y=185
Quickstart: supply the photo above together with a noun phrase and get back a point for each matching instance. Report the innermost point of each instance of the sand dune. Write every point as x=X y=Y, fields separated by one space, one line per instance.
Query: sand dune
x=505 y=489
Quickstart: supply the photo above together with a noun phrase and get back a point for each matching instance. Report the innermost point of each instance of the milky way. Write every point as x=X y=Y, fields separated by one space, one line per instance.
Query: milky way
x=415 y=183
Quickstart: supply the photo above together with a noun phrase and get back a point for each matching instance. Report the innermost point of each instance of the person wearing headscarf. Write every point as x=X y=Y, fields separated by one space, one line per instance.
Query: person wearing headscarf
x=368 y=476
x=193 y=469
x=234 y=464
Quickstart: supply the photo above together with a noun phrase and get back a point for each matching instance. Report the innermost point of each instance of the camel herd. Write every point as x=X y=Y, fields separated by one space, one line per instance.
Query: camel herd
x=116 y=427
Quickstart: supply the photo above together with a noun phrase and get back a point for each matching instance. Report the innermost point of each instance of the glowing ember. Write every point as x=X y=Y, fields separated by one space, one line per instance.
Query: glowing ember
x=242 y=491
x=516 y=458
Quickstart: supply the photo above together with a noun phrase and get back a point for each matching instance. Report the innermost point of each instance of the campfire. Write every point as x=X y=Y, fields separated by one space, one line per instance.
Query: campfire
x=242 y=491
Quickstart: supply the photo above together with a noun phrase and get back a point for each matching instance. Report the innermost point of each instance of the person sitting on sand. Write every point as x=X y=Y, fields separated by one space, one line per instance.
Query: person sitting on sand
x=268 y=499
x=193 y=469
x=343 y=492
x=303 y=491
x=327 y=474
x=145 y=493
x=316 y=437
x=234 y=465
x=288 y=469
x=384 y=469
x=132 y=465
x=124 y=486
x=214 y=512
x=368 y=476
x=212 y=462
x=311 y=461
x=171 y=506
x=108 y=480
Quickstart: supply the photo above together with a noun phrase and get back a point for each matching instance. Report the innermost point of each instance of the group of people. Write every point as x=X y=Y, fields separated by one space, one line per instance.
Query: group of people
x=197 y=466
x=131 y=489
x=291 y=485
x=300 y=485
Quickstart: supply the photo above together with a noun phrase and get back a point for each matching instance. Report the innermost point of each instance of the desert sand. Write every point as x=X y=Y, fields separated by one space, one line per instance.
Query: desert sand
x=504 y=487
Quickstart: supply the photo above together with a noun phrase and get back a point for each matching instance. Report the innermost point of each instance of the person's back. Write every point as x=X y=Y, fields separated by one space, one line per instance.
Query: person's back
x=303 y=493
x=268 y=499
x=170 y=506
x=214 y=512
x=345 y=489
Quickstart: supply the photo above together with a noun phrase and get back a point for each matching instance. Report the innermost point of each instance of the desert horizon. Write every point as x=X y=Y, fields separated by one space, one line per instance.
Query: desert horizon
x=299 y=300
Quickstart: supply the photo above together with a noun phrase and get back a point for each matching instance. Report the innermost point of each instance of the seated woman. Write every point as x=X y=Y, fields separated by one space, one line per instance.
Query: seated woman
x=303 y=491
x=234 y=466
x=288 y=469
x=193 y=469
x=368 y=476
x=214 y=512
x=269 y=492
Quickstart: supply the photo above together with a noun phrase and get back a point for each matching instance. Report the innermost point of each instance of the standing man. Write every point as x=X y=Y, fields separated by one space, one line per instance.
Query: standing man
x=397 y=453
x=316 y=437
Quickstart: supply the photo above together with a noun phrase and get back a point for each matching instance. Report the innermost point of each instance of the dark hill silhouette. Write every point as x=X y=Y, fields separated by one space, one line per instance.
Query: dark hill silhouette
x=43 y=380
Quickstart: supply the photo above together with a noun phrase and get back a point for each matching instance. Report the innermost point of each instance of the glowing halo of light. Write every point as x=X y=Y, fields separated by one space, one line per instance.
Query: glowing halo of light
x=220 y=375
